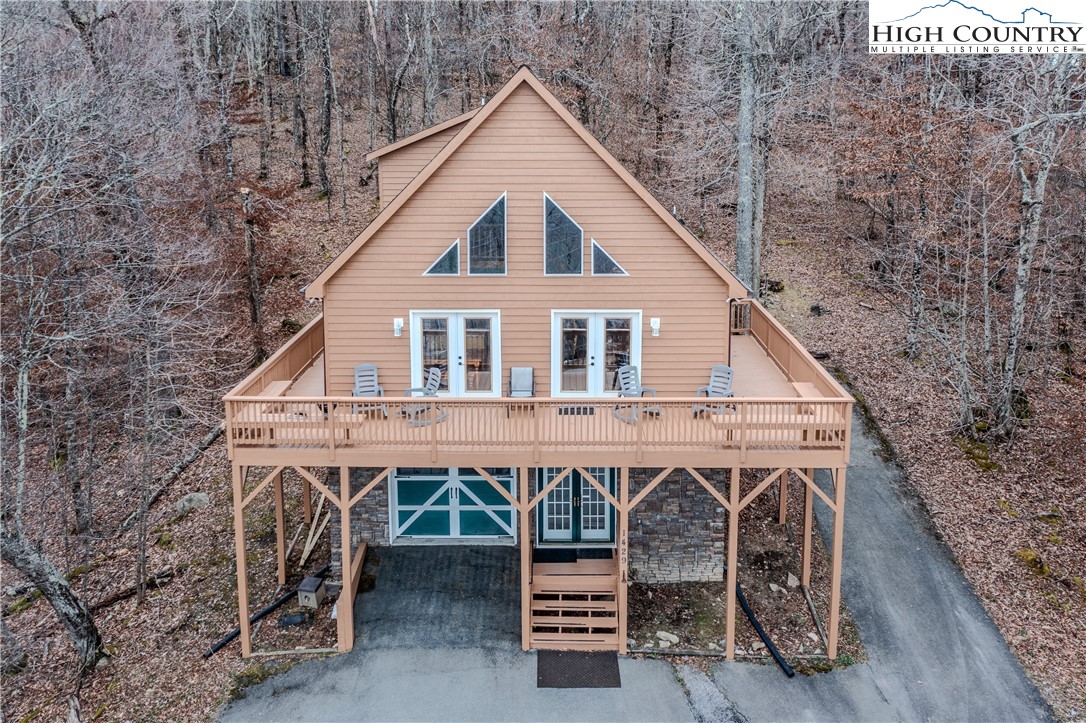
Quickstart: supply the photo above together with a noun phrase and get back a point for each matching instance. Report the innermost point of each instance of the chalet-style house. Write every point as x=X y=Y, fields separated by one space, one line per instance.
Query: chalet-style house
x=526 y=348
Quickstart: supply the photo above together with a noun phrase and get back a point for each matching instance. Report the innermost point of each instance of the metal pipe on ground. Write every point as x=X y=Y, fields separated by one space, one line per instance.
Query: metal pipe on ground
x=258 y=615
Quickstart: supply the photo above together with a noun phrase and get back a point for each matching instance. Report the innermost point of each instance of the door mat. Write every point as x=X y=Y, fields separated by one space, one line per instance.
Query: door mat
x=577 y=669
x=554 y=554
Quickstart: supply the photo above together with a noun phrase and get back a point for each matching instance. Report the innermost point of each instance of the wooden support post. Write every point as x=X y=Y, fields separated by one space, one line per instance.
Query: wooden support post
x=525 y=561
x=623 y=557
x=345 y=606
x=280 y=529
x=835 y=580
x=307 y=501
x=239 y=553
x=733 y=561
x=782 y=513
x=808 y=522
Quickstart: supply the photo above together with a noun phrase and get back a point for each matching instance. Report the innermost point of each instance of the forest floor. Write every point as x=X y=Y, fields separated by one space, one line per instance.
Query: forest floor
x=1014 y=515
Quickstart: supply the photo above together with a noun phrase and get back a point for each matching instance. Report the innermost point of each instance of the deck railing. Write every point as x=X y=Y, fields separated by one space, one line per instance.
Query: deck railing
x=286 y=364
x=794 y=360
x=538 y=425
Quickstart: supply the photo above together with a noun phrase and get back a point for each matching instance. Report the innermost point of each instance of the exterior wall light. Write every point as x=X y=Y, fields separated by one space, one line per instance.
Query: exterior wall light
x=397 y=327
x=654 y=324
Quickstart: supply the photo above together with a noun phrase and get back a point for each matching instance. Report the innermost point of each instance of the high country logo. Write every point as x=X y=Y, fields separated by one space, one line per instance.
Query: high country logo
x=994 y=26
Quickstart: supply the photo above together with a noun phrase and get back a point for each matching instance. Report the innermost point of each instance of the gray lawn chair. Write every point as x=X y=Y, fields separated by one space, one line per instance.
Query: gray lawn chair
x=419 y=415
x=365 y=385
x=629 y=382
x=719 y=387
x=521 y=385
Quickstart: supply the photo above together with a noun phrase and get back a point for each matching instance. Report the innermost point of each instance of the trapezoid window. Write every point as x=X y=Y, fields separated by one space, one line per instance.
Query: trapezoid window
x=603 y=264
x=448 y=263
x=563 y=241
x=486 y=241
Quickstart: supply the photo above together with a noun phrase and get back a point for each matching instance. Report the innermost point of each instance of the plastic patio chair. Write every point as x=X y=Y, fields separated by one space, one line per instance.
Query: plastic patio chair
x=629 y=382
x=427 y=390
x=719 y=387
x=365 y=385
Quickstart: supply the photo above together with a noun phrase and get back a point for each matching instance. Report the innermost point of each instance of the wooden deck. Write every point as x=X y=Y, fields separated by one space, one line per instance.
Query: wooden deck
x=786 y=411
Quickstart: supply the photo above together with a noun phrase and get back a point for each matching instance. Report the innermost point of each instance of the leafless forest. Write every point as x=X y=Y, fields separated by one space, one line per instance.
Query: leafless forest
x=173 y=172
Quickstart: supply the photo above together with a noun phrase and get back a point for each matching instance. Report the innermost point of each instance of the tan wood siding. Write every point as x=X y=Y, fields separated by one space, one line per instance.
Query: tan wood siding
x=524 y=149
x=397 y=168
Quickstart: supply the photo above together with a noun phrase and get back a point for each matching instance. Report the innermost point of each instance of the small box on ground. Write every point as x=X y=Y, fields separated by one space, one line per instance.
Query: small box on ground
x=311 y=592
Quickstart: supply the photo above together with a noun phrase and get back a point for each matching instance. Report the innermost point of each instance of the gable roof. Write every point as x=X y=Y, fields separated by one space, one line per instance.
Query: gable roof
x=315 y=290
x=452 y=122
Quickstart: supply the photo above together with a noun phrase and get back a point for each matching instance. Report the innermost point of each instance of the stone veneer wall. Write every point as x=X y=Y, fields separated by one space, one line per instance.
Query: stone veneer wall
x=679 y=532
x=369 y=518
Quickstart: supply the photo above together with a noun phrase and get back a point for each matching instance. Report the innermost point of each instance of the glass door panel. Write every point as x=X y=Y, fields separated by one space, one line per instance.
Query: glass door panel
x=618 y=349
x=435 y=348
x=574 y=355
x=478 y=355
x=557 y=514
x=595 y=510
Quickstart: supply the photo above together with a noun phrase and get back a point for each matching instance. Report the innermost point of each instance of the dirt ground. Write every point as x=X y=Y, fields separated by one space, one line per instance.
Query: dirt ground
x=768 y=553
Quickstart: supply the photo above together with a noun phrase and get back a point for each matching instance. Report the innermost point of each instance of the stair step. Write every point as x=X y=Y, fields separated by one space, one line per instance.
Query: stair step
x=575 y=605
x=574 y=583
x=555 y=622
x=581 y=567
x=573 y=641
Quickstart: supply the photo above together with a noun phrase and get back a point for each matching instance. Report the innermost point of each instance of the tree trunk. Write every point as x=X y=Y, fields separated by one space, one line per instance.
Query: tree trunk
x=73 y=613
x=254 y=295
x=326 y=106
x=744 y=216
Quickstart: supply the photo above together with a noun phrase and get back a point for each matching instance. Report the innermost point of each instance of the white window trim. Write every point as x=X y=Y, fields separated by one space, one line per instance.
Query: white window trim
x=441 y=256
x=505 y=235
x=556 y=345
x=596 y=245
x=546 y=197
x=496 y=340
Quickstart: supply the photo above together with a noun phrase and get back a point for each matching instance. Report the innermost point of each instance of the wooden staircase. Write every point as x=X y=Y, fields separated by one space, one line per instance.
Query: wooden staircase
x=574 y=605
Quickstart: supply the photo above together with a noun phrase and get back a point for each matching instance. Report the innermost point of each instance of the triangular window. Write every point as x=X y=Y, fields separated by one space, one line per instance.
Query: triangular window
x=603 y=264
x=563 y=241
x=448 y=264
x=486 y=241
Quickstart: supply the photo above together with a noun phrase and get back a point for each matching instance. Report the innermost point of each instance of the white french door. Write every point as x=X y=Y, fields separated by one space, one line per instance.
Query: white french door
x=465 y=345
x=587 y=349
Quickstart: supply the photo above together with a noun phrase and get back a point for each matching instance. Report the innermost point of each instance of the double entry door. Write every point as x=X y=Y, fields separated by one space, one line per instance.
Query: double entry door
x=588 y=347
x=465 y=345
x=574 y=511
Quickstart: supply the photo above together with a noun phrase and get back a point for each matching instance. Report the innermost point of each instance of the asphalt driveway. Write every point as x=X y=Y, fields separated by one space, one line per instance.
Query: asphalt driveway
x=934 y=654
x=438 y=639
